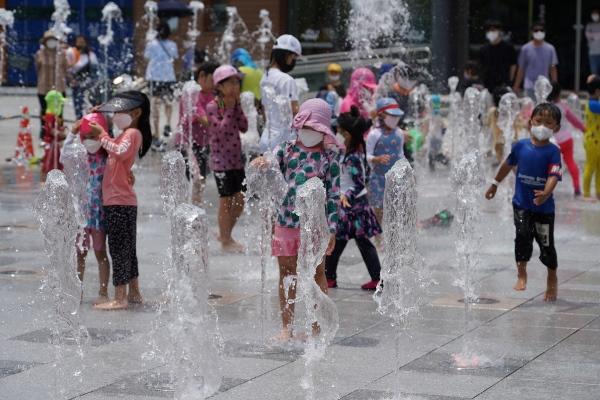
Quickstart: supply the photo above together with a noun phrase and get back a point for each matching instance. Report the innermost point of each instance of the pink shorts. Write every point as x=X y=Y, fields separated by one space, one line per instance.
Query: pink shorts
x=98 y=239
x=286 y=242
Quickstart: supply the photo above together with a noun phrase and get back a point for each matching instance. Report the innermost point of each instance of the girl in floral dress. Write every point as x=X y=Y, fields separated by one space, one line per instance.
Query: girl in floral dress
x=356 y=217
x=300 y=160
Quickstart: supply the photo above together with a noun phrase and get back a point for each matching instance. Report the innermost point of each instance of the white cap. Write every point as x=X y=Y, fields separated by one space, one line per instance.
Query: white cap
x=288 y=42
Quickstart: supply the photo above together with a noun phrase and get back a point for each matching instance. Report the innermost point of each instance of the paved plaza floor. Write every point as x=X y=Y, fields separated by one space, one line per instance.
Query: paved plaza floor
x=528 y=349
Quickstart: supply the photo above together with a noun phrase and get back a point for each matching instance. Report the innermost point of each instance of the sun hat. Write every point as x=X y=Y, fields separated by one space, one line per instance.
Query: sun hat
x=224 y=72
x=49 y=34
x=289 y=43
x=365 y=77
x=316 y=115
x=334 y=68
x=388 y=106
x=124 y=101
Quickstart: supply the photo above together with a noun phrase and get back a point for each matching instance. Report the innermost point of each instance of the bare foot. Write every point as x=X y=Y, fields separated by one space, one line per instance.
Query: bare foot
x=112 y=305
x=551 y=287
x=232 y=247
x=521 y=283
x=135 y=298
x=100 y=300
x=285 y=335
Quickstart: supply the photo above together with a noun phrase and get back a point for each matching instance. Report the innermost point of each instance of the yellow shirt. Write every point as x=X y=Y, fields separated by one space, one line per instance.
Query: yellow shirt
x=251 y=80
x=592 y=128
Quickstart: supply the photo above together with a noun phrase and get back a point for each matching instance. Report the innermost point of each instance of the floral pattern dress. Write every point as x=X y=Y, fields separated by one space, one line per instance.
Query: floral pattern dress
x=299 y=164
x=95 y=213
x=359 y=220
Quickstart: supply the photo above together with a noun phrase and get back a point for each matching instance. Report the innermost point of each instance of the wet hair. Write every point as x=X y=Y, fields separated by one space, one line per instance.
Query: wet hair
x=207 y=68
x=593 y=85
x=492 y=24
x=356 y=126
x=279 y=56
x=538 y=24
x=163 y=31
x=549 y=109
x=555 y=93
x=498 y=92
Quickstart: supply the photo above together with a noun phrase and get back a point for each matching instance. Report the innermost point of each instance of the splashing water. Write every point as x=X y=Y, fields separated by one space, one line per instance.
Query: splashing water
x=250 y=139
x=173 y=186
x=61 y=13
x=322 y=320
x=575 y=105
x=54 y=209
x=151 y=9
x=7 y=20
x=541 y=89
x=235 y=31
x=193 y=33
x=508 y=111
x=376 y=23
x=194 y=361
x=269 y=187
x=283 y=111
x=453 y=130
x=264 y=35
x=111 y=12
x=74 y=158
x=189 y=99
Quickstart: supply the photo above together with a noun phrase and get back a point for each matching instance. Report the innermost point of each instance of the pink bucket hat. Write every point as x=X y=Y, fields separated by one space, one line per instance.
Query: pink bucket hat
x=224 y=72
x=96 y=117
x=316 y=115
x=365 y=76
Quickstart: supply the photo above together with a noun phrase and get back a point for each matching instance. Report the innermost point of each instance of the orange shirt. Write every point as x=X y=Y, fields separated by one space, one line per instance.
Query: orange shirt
x=116 y=188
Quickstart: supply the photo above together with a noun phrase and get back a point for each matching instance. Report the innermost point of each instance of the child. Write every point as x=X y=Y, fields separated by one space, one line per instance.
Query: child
x=53 y=130
x=95 y=229
x=300 y=160
x=226 y=121
x=538 y=171
x=360 y=92
x=132 y=118
x=564 y=137
x=199 y=125
x=385 y=145
x=356 y=218
x=591 y=139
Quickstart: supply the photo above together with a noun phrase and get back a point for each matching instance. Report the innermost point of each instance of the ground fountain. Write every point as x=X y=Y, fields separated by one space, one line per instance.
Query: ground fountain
x=453 y=130
x=7 y=20
x=74 y=158
x=151 y=9
x=322 y=320
x=264 y=35
x=61 y=287
x=197 y=7
x=235 y=31
x=250 y=139
x=404 y=275
x=110 y=13
x=267 y=186
x=508 y=111
x=190 y=92
x=60 y=29
x=541 y=89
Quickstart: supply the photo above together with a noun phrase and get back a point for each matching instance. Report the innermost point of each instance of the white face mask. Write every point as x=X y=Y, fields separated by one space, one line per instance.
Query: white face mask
x=541 y=132
x=390 y=121
x=540 y=35
x=309 y=138
x=122 y=120
x=173 y=23
x=492 y=36
x=51 y=43
x=92 y=146
x=333 y=77
x=595 y=17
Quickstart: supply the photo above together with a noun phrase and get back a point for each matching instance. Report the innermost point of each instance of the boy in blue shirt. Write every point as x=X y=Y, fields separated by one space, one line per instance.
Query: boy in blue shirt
x=538 y=170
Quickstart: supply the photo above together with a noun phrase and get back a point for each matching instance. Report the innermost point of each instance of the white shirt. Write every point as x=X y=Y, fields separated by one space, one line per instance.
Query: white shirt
x=161 y=56
x=278 y=90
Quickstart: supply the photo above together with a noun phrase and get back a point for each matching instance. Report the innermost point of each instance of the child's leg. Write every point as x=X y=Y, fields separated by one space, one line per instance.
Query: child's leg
x=566 y=149
x=597 y=172
x=499 y=149
x=523 y=245
x=544 y=236
x=103 y=275
x=156 y=102
x=379 y=215
x=551 y=286
x=588 y=171
x=369 y=256
x=81 y=263
x=168 y=113
x=331 y=261
x=287 y=295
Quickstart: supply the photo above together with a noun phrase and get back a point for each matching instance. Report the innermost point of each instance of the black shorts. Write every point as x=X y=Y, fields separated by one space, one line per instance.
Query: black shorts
x=164 y=90
x=230 y=182
x=530 y=225
x=201 y=154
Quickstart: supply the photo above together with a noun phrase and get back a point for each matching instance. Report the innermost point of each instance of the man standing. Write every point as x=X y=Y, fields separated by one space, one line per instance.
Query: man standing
x=536 y=58
x=592 y=33
x=498 y=59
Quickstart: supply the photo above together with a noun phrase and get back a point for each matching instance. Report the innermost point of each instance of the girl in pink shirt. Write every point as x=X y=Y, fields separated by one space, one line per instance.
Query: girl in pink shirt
x=132 y=119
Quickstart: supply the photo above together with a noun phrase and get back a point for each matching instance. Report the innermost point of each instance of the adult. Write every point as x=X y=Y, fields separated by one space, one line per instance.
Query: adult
x=536 y=58
x=83 y=66
x=497 y=58
x=592 y=33
x=280 y=93
x=242 y=60
x=161 y=54
x=51 y=68
x=360 y=92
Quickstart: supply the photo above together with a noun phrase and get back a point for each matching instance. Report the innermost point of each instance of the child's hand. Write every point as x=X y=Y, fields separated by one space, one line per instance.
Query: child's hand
x=344 y=201
x=95 y=131
x=540 y=197
x=204 y=121
x=259 y=162
x=491 y=192
x=131 y=178
x=382 y=159
x=75 y=127
x=331 y=244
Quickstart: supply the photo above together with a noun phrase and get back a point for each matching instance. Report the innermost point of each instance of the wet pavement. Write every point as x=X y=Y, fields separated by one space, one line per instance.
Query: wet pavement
x=527 y=348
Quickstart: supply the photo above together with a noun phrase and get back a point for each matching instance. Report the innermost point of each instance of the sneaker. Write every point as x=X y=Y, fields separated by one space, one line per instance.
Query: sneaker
x=331 y=283
x=167 y=131
x=371 y=285
x=577 y=193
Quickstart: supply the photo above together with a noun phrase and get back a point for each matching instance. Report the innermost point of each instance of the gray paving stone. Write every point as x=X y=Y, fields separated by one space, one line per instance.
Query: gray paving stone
x=11 y=367
x=98 y=336
x=522 y=389
x=365 y=394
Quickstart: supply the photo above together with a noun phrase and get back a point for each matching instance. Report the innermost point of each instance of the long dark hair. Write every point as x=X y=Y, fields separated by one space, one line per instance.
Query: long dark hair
x=356 y=126
x=280 y=56
x=144 y=125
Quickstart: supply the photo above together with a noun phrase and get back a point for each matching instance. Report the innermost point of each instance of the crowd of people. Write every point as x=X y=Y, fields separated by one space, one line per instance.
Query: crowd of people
x=347 y=136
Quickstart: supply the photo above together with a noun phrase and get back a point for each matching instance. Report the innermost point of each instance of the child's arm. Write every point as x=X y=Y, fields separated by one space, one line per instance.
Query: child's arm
x=123 y=150
x=358 y=180
x=542 y=195
x=332 y=188
x=242 y=121
x=574 y=120
x=504 y=170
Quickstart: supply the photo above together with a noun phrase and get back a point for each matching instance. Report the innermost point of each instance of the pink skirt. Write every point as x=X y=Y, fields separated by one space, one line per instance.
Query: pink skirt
x=286 y=242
